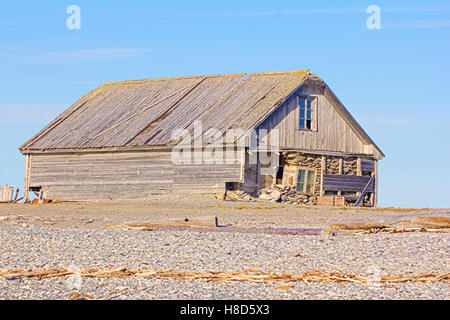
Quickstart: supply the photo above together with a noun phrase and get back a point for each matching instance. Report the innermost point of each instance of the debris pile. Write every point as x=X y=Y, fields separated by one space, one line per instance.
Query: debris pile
x=286 y=194
x=277 y=193
x=238 y=195
x=223 y=276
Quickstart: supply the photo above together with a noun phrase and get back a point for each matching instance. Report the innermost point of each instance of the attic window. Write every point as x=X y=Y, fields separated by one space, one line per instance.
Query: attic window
x=305 y=114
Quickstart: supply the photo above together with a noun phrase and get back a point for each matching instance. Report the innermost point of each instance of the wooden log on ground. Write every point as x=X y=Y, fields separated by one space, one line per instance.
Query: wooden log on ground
x=149 y=225
x=418 y=221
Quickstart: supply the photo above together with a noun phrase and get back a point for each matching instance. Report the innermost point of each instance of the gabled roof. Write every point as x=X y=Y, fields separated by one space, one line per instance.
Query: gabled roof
x=145 y=112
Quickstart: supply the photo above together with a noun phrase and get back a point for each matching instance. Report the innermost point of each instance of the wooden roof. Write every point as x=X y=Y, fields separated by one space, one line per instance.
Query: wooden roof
x=145 y=112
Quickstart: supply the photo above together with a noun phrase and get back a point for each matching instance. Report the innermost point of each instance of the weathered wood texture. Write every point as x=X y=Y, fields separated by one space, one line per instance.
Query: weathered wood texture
x=191 y=178
x=129 y=113
x=330 y=201
x=250 y=183
x=336 y=182
x=6 y=193
x=124 y=175
x=375 y=196
x=333 y=133
x=27 y=177
x=367 y=165
x=365 y=190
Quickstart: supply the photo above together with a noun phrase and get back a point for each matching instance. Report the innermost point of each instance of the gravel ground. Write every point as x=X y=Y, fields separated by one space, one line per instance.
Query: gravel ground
x=239 y=214
x=24 y=245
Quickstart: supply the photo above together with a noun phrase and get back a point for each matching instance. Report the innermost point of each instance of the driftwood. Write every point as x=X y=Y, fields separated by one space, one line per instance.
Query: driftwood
x=44 y=221
x=150 y=225
x=17 y=200
x=390 y=230
x=411 y=221
x=223 y=276
x=76 y=295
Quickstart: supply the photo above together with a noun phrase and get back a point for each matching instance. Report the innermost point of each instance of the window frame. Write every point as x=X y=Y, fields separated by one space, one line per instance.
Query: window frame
x=313 y=109
x=305 y=183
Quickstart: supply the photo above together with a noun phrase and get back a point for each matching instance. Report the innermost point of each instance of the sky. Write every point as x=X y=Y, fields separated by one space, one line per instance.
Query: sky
x=395 y=80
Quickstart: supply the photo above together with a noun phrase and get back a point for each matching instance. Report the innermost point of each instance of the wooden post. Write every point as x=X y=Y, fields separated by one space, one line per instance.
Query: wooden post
x=358 y=167
x=27 y=177
x=242 y=159
x=375 y=198
x=275 y=168
x=323 y=170
x=258 y=174
x=341 y=169
x=358 y=171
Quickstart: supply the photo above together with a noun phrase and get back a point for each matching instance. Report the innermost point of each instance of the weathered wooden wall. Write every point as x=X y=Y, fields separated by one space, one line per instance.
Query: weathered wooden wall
x=337 y=182
x=332 y=133
x=6 y=193
x=124 y=175
x=207 y=178
x=251 y=175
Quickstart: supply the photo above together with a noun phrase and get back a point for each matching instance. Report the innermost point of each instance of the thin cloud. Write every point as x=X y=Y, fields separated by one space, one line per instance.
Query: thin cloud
x=93 y=54
x=427 y=24
x=36 y=113
x=400 y=120
x=21 y=52
x=273 y=13
x=331 y=11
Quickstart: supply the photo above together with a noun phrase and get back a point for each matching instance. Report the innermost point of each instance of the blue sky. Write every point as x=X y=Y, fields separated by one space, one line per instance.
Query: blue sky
x=395 y=81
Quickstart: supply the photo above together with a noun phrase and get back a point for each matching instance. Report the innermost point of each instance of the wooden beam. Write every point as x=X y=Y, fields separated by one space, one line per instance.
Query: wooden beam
x=27 y=177
x=275 y=169
x=202 y=221
x=323 y=170
x=242 y=159
x=359 y=166
x=341 y=171
x=258 y=174
x=363 y=193
x=375 y=198
x=358 y=171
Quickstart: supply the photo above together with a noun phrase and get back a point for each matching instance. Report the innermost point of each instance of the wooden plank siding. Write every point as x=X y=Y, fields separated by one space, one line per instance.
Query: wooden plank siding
x=250 y=183
x=337 y=182
x=367 y=165
x=124 y=175
x=207 y=178
x=333 y=133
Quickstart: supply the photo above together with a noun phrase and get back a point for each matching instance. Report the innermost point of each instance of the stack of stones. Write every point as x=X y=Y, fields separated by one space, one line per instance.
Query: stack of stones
x=289 y=194
x=278 y=193
x=238 y=195
x=350 y=166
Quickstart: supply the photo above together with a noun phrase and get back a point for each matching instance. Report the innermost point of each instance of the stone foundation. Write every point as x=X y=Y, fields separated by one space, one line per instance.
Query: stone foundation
x=314 y=161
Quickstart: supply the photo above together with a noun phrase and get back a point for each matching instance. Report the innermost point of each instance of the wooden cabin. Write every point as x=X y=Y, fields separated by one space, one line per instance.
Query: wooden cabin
x=117 y=142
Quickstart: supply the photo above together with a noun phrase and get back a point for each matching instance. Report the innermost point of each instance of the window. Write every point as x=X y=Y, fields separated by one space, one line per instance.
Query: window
x=305 y=119
x=306 y=180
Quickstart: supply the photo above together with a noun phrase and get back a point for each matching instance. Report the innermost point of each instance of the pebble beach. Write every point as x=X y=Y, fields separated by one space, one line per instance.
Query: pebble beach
x=32 y=245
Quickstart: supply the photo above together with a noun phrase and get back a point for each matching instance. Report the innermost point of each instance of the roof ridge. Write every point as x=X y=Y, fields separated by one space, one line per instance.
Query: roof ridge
x=302 y=71
x=175 y=78
x=280 y=72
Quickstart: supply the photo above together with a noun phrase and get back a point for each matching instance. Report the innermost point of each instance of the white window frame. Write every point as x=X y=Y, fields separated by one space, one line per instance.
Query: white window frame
x=307 y=173
x=314 y=113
